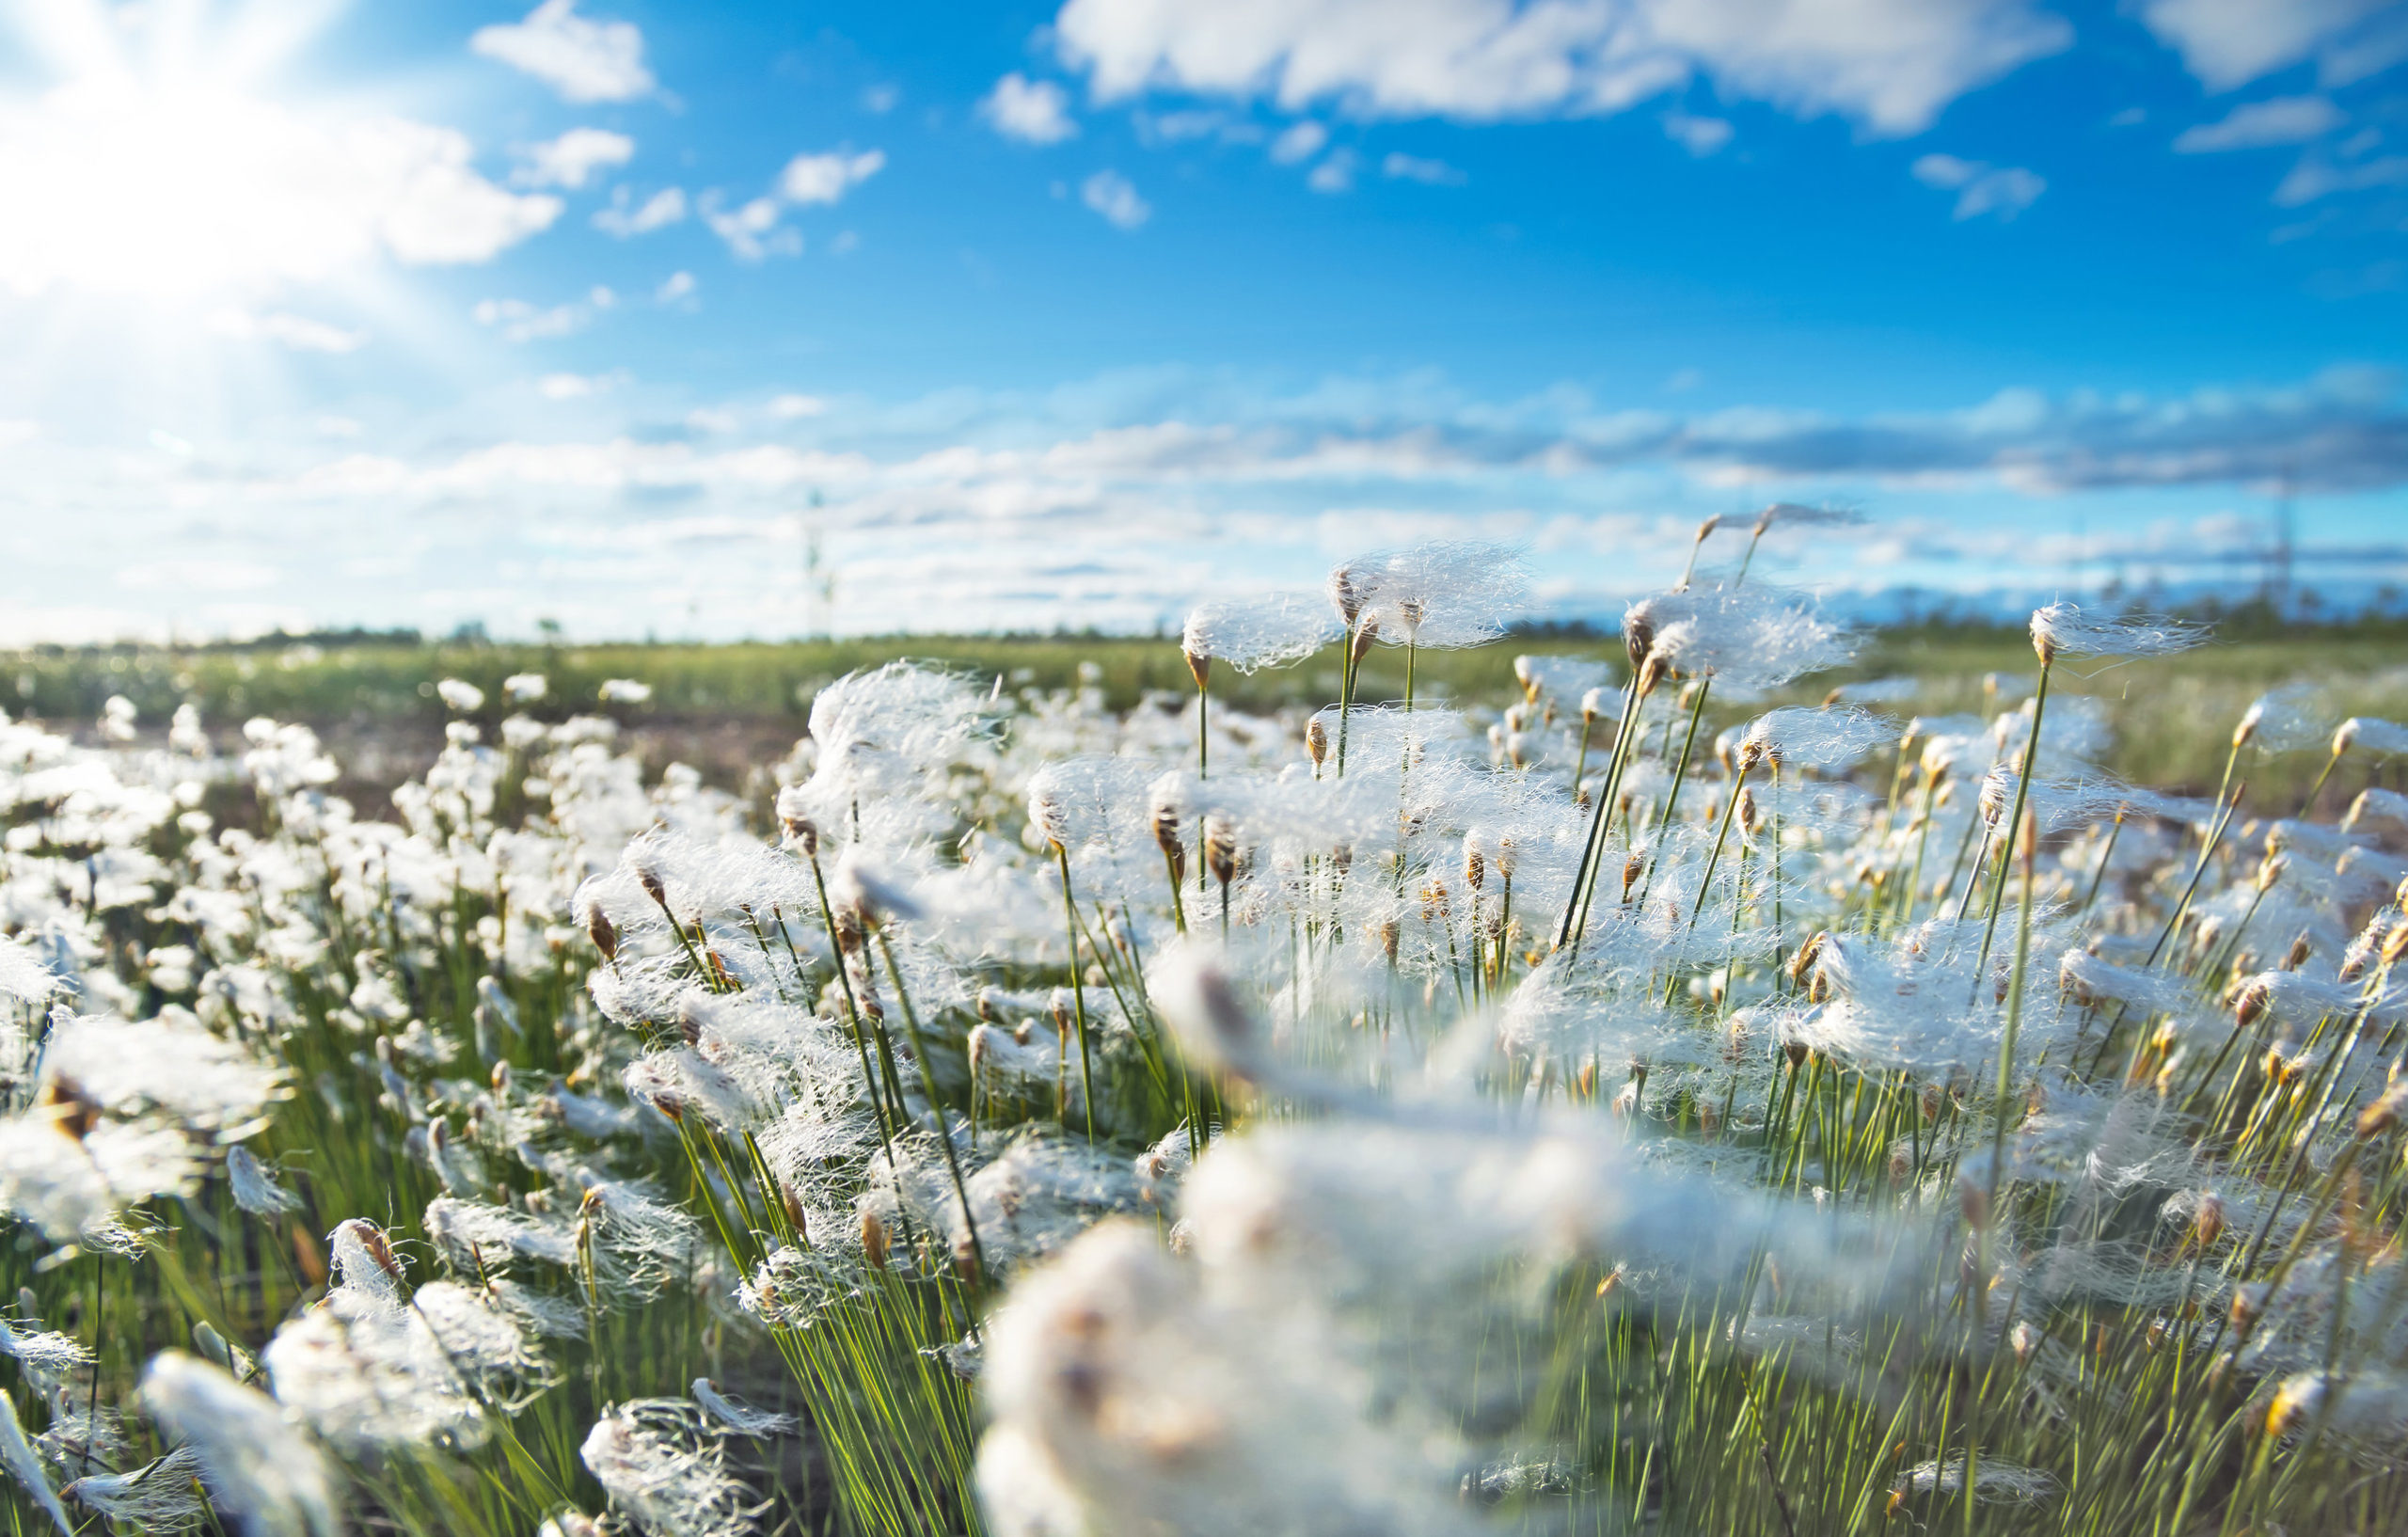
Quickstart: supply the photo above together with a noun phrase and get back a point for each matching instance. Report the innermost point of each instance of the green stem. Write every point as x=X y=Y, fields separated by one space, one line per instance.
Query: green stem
x=1673 y=796
x=1705 y=883
x=1078 y=988
x=2015 y=819
x=2308 y=805
x=928 y=1086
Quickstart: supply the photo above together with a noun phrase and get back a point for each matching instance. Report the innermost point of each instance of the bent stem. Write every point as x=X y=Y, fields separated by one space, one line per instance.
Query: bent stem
x=2191 y=889
x=1348 y=664
x=1078 y=988
x=2015 y=821
x=1584 y=878
x=2307 y=806
x=1673 y=796
x=936 y=1106
x=1705 y=883
x=852 y=1009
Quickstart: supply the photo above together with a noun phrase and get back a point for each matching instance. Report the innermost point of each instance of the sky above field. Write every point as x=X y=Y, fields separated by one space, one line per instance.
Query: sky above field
x=720 y=321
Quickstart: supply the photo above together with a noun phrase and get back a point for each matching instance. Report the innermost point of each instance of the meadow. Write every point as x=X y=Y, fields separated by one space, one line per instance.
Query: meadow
x=1340 y=1068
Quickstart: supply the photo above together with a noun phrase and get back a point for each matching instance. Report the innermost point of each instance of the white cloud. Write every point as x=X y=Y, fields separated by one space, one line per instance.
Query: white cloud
x=2231 y=42
x=189 y=576
x=795 y=407
x=518 y=321
x=1890 y=65
x=445 y=213
x=571 y=160
x=1699 y=136
x=1335 y=174
x=679 y=285
x=1202 y=123
x=750 y=229
x=1109 y=194
x=114 y=185
x=826 y=178
x=625 y=218
x=1399 y=167
x=2281 y=119
x=1033 y=111
x=583 y=60
x=1043 y=519
x=1299 y=142
x=573 y=386
x=2315 y=177
x=297 y=332
x=1980 y=188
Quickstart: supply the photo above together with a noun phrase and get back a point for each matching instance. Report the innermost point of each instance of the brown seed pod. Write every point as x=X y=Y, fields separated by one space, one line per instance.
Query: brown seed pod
x=1362 y=639
x=803 y=834
x=1220 y=849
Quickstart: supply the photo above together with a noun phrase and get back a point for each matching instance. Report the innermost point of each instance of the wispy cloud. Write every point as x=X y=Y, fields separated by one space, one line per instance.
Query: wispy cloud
x=625 y=218
x=1052 y=519
x=810 y=178
x=2319 y=176
x=1110 y=194
x=1891 y=64
x=2231 y=42
x=583 y=60
x=1399 y=167
x=1980 y=188
x=1699 y=136
x=518 y=321
x=1032 y=111
x=1298 y=142
x=572 y=159
x=298 y=332
x=1335 y=173
x=749 y=228
x=2280 y=119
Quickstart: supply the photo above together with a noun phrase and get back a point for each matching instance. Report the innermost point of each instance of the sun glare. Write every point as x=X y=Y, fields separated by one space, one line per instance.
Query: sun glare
x=168 y=173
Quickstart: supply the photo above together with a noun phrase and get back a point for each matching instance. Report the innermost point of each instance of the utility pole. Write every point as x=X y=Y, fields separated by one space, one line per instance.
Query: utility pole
x=818 y=575
x=2279 y=578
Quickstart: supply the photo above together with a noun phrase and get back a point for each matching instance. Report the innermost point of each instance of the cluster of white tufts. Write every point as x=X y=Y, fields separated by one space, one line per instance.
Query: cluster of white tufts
x=1646 y=1098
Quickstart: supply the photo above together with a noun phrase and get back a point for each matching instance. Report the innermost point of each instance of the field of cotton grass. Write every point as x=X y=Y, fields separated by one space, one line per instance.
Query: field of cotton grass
x=1641 y=1107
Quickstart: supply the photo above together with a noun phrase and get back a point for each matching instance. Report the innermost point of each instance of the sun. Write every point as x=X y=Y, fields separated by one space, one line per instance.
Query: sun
x=157 y=164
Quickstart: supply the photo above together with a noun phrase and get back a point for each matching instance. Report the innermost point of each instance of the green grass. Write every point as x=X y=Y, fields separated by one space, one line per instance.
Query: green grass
x=1671 y=1428
x=723 y=708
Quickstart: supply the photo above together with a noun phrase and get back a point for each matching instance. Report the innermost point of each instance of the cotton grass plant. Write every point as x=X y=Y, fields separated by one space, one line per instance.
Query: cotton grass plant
x=1648 y=1106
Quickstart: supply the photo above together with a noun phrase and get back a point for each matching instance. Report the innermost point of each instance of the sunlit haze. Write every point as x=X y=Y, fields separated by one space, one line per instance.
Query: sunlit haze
x=767 y=320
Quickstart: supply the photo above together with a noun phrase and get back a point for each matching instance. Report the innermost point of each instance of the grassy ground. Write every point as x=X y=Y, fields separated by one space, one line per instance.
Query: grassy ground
x=729 y=709
x=1687 y=1434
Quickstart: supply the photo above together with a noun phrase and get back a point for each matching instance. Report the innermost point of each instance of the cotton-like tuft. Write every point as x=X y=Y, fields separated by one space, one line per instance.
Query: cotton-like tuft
x=265 y=1476
x=2062 y=630
x=1251 y=634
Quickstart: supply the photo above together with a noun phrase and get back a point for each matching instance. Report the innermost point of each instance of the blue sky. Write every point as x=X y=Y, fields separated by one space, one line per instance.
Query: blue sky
x=1023 y=316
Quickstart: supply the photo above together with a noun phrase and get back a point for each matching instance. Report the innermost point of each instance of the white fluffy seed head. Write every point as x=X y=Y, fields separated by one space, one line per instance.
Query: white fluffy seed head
x=261 y=1471
x=2063 y=629
x=254 y=1186
x=1250 y=634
